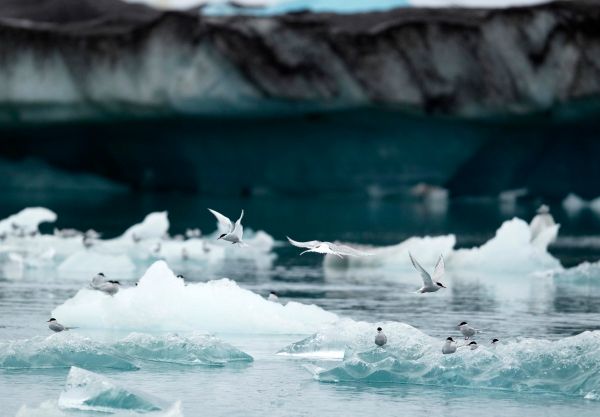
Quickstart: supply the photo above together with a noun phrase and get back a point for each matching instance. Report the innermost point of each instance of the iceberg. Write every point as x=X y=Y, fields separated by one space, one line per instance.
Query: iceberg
x=510 y=250
x=586 y=273
x=346 y=335
x=568 y=366
x=163 y=302
x=66 y=349
x=87 y=391
x=192 y=350
x=61 y=350
x=27 y=221
x=154 y=226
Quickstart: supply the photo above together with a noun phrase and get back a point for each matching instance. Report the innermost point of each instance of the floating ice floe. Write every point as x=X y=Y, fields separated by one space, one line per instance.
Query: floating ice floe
x=163 y=302
x=27 y=221
x=568 y=366
x=87 y=391
x=67 y=349
x=510 y=250
x=61 y=350
x=586 y=273
x=78 y=254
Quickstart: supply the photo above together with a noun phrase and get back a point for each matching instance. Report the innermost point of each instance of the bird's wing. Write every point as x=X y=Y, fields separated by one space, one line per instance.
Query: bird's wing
x=424 y=274
x=309 y=244
x=238 y=229
x=225 y=224
x=440 y=270
x=347 y=250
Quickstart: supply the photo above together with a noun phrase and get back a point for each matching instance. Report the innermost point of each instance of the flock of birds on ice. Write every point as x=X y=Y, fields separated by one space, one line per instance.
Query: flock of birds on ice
x=431 y=282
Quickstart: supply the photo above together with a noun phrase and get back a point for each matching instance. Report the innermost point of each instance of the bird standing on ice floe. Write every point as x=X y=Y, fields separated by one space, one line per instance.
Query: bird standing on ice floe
x=234 y=230
x=542 y=221
x=317 y=246
x=466 y=330
x=56 y=326
x=380 y=338
x=449 y=346
x=430 y=284
x=100 y=283
x=273 y=297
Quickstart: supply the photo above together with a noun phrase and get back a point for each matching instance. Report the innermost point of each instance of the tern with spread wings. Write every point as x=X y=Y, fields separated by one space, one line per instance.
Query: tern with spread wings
x=328 y=248
x=430 y=284
x=230 y=232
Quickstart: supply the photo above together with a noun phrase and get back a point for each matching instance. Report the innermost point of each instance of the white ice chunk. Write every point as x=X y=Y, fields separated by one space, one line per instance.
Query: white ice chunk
x=27 y=220
x=155 y=225
x=163 y=302
x=88 y=391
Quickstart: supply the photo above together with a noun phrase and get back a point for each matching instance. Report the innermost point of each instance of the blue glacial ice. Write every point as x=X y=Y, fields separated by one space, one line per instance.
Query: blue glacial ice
x=182 y=350
x=50 y=408
x=61 y=350
x=569 y=366
x=67 y=349
x=88 y=391
x=163 y=302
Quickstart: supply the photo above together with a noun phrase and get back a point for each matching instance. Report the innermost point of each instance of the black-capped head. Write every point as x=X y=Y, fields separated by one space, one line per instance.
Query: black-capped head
x=472 y=343
x=180 y=276
x=52 y=319
x=495 y=340
x=222 y=236
x=462 y=323
x=439 y=284
x=101 y=274
x=449 y=339
x=114 y=282
x=379 y=329
x=273 y=292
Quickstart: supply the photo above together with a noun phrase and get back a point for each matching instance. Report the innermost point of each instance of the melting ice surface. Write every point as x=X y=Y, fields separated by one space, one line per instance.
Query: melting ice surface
x=161 y=301
x=89 y=391
x=67 y=349
x=568 y=366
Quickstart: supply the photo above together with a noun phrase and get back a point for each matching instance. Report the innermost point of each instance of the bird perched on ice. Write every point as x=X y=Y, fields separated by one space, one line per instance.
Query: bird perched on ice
x=234 y=231
x=473 y=345
x=380 y=338
x=56 y=326
x=466 y=330
x=430 y=284
x=100 y=283
x=449 y=346
x=273 y=297
x=542 y=221
x=318 y=246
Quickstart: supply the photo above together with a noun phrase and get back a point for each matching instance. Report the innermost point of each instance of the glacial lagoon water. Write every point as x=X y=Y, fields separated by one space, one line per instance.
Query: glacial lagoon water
x=194 y=347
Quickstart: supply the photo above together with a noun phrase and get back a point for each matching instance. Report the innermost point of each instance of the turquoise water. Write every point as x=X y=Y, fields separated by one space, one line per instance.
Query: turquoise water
x=545 y=316
x=287 y=6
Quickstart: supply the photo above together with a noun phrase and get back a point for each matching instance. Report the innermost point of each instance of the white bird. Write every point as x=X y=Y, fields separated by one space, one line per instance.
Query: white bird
x=273 y=297
x=473 y=345
x=56 y=326
x=100 y=283
x=449 y=346
x=234 y=231
x=430 y=284
x=495 y=342
x=318 y=246
x=466 y=330
x=380 y=338
x=542 y=221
